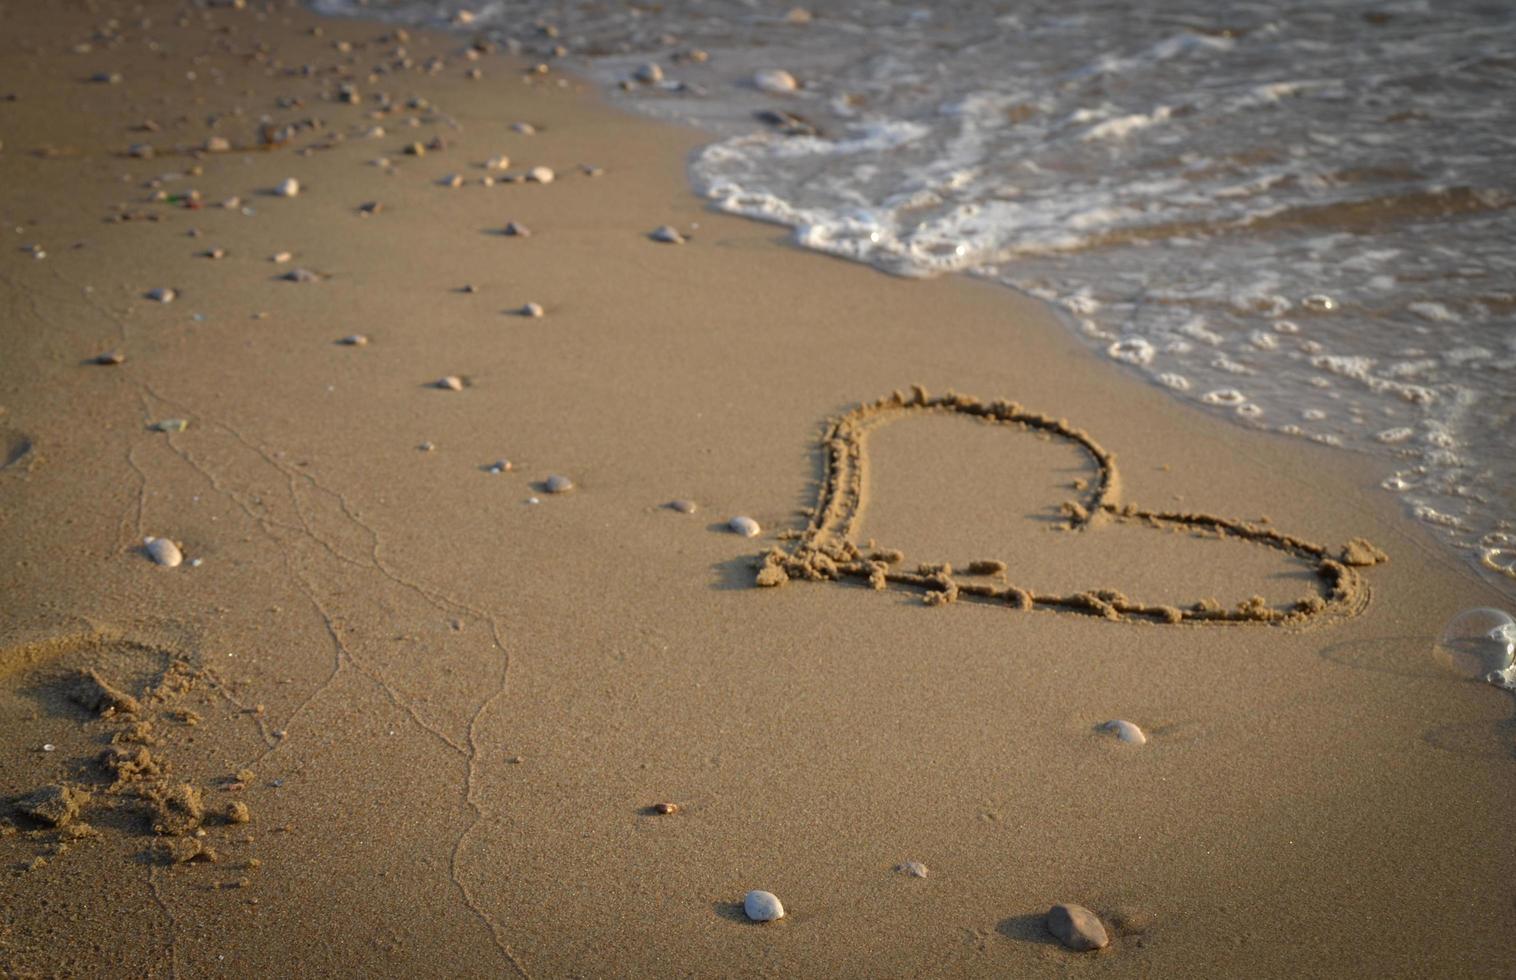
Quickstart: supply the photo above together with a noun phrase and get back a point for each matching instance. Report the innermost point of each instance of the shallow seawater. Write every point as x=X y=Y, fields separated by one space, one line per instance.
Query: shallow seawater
x=1299 y=215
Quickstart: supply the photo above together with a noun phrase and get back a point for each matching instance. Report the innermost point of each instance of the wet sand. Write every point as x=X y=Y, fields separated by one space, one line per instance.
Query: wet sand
x=448 y=711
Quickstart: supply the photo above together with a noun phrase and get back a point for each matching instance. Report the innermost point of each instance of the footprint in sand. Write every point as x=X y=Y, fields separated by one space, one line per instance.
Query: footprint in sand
x=122 y=767
x=829 y=548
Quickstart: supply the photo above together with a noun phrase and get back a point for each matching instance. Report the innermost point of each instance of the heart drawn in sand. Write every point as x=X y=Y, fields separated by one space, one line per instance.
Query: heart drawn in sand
x=827 y=549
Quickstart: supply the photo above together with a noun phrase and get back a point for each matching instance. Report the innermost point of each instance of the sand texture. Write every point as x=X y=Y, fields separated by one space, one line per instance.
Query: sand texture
x=401 y=711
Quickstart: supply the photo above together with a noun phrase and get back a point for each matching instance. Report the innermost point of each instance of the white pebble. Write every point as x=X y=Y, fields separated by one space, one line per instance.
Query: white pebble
x=913 y=868
x=533 y=310
x=649 y=74
x=515 y=230
x=745 y=526
x=49 y=747
x=354 y=340
x=289 y=187
x=557 y=484
x=497 y=163
x=761 y=906
x=542 y=175
x=161 y=295
x=163 y=551
x=451 y=383
x=667 y=234
x=524 y=128
x=775 y=81
x=1125 y=731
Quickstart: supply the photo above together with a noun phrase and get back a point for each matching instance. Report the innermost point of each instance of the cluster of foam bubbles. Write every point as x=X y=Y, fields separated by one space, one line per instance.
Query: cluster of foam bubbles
x=1299 y=213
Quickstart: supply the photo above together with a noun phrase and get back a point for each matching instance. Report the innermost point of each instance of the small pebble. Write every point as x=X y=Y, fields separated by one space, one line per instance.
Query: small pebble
x=557 y=484
x=427 y=446
x=501 y=466
x=288 y=187
x=914 y=869
x=649 y=74
x=761 y=906
x=775 y=81
x=667 y=234
x=515 y=230
x=354 y=340
x=49 y=747
x=161 y=295
x=1077 y=928
x=452 y=180
x=110 y=357
x=106 y=78
x=542 y=175
x=533 y=310
x=524 y=128
x=664 y=809
x=683 y=506
x=279 y=258
x=451 y=383
x=213 y=253
x=216 y=144
x=1125 y=731
x=415 y=150
x=170 y=425
x=745 y=526
x=163 y=551
x=142 y=151
x=368 y=208
x=497 y=163
x=300 y=275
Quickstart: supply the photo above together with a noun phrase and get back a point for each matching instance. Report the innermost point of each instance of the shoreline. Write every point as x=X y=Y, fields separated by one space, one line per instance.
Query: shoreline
x=449 y=710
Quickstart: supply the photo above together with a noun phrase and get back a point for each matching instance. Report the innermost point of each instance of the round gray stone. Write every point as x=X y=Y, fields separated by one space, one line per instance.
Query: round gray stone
x=1077 y=927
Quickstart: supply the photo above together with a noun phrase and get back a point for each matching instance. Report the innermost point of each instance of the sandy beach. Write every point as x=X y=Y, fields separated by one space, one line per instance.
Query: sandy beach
x=401 y=710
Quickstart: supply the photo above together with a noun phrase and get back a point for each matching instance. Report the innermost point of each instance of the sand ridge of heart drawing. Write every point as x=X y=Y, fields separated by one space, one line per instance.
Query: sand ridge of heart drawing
x=827 y=549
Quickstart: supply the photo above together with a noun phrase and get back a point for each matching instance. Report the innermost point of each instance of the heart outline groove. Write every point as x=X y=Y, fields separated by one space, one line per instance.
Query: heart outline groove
x=827 y=551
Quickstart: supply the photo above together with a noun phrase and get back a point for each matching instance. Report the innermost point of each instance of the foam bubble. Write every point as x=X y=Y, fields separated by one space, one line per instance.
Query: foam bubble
x=1223 y=396
x=1132 y=350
